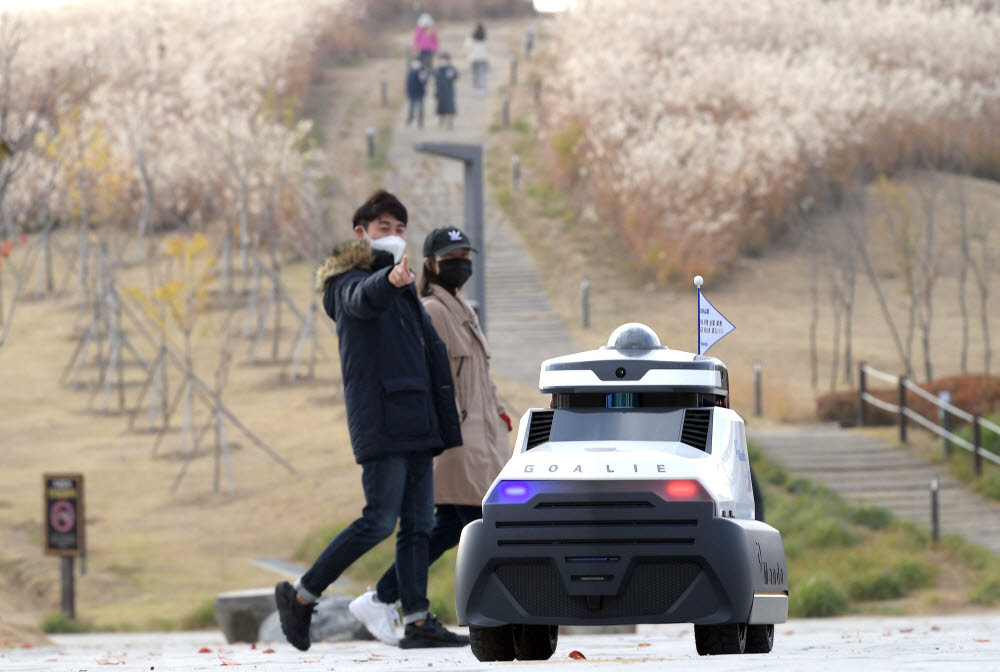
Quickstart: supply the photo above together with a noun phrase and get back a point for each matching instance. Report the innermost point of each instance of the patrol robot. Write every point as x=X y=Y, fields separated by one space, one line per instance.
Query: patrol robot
x=629 y=501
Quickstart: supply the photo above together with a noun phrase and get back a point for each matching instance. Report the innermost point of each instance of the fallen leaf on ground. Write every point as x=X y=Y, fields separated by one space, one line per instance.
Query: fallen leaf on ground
x=204 y=649
x=642 y=644
x=982 y=641
x=935 y=628
x=906 y=629
x=576 y=655
x=268 y=651
x=789 y=632
x=27 y=646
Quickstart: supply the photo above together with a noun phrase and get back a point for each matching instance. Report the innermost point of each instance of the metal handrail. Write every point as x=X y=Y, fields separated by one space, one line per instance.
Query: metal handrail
x=904 y=413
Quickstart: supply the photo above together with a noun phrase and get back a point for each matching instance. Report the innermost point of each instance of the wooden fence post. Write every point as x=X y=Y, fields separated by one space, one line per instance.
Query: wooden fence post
x=902 y=409
x=977 y=443
x=862 y=410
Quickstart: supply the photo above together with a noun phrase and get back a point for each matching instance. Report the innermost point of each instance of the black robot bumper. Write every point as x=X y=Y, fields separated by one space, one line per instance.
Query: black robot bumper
x=597 y=554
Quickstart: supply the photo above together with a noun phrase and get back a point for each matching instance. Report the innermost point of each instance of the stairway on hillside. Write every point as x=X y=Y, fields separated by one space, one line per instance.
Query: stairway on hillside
x=522 y=327
x=869 y=471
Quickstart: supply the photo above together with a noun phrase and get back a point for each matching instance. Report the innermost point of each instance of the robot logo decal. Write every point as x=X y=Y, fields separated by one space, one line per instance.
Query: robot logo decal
x=773 y=574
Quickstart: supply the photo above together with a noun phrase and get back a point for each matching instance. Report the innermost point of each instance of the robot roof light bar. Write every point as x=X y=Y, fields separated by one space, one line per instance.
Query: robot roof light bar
x=634 y=361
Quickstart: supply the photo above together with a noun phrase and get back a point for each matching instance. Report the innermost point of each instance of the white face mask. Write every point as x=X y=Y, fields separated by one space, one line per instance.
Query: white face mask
x=391 y=244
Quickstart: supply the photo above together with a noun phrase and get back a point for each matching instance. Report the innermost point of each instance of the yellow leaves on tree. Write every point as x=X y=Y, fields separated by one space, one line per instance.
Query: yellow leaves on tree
x=183 y=297
x=96 y=182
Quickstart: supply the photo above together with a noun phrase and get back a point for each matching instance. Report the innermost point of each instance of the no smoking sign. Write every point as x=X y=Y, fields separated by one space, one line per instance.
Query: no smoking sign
x=64 y=514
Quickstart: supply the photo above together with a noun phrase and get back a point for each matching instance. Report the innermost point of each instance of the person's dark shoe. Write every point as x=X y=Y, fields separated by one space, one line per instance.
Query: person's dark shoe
x=295 y=617
x=430 y=634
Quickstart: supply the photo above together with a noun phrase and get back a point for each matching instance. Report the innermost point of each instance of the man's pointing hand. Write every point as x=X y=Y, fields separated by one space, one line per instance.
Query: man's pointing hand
x=401 y=275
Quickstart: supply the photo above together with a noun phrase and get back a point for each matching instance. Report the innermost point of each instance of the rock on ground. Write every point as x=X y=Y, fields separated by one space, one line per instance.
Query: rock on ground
x=332 y=622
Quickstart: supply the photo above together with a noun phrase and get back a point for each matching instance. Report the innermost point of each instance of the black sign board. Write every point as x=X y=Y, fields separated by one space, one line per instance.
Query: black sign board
x=64 y=514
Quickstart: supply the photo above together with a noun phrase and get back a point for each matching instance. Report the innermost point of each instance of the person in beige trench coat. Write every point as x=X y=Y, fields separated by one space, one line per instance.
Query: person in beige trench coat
x=462 y=475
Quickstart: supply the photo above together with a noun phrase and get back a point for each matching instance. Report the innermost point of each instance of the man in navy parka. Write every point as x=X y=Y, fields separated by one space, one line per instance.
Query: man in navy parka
x=400 y=413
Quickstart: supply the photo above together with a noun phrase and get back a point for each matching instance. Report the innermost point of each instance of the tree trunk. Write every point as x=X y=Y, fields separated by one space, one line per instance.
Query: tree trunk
x=963 y=274
x=835 y=298
x=883 y=305
x=851 y=283
x=813 y=356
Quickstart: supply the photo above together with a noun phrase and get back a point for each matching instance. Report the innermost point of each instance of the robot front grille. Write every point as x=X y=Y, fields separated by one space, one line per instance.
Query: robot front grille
x=652 y=589
x=540 y=428
x=697 y=423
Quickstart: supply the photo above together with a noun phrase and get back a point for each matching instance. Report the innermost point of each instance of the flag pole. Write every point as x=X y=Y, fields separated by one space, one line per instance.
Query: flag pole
x=698 y=282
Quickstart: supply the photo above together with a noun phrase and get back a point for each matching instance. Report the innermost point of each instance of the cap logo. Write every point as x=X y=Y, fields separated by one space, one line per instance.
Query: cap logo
x=455 y=234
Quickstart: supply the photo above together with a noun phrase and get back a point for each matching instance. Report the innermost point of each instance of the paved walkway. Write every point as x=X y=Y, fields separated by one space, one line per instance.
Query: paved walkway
x=870 y=471
x=932 y=643
x=522 y=327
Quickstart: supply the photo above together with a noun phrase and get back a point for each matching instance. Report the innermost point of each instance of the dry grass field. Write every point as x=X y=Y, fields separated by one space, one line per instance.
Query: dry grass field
x=155 y=557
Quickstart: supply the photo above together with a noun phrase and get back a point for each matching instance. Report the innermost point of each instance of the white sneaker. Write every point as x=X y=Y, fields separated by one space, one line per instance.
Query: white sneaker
x=380 y=618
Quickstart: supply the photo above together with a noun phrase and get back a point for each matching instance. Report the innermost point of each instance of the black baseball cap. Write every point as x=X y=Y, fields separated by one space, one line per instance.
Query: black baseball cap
x=446 y=239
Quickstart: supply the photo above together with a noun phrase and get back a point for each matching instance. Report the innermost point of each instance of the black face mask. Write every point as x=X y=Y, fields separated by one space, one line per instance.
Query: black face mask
x=453 y=273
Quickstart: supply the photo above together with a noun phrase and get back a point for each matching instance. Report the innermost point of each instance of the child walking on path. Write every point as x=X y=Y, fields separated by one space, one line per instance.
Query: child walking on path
x=416 y=87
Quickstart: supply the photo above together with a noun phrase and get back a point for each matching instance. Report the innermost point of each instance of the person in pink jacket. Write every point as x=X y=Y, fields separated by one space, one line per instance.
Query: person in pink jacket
x=425 y=41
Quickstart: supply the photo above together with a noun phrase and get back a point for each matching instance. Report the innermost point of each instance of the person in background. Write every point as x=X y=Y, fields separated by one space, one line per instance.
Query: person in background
x=400 y=413
x=477 y=49
x=425 y=41
x=444 y=90
x=461 y=475
x=416 y=87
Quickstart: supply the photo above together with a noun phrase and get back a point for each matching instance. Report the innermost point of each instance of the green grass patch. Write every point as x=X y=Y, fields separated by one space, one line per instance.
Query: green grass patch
x=816 y=597
x=522 y=125
x=987 y=590
x=383 y=139
x=860 y=559
x=873 y=582
x=549 y=198
x=961 y=463
x=201 y=618
x=872 y=517
x=60 y=623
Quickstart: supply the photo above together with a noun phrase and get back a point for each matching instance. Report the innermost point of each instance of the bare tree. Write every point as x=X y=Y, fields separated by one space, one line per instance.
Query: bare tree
x=982 y=268
x=929 y=269
x=964 y=263
x=26 y=108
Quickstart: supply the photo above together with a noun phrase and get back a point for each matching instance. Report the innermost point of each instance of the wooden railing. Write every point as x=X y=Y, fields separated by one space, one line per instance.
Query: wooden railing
x=946 y=412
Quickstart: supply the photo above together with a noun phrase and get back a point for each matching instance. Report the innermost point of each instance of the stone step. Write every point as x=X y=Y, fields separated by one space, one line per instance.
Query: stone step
x=893 y=465
x=887 y=486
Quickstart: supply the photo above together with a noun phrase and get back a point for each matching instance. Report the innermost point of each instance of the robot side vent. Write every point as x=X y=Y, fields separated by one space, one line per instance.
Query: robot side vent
x=540 y=428
x=697 y=423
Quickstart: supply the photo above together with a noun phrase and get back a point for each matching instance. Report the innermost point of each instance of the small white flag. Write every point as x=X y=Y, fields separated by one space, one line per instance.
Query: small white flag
x=712 y=325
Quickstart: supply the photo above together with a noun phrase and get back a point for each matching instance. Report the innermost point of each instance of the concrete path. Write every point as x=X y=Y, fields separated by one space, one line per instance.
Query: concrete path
x=522 y=327
x=938 y=643
x=867 y=470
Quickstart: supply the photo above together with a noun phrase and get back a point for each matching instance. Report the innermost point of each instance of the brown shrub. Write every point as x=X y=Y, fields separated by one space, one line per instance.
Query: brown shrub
x=842 y=407
x=974 y=393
